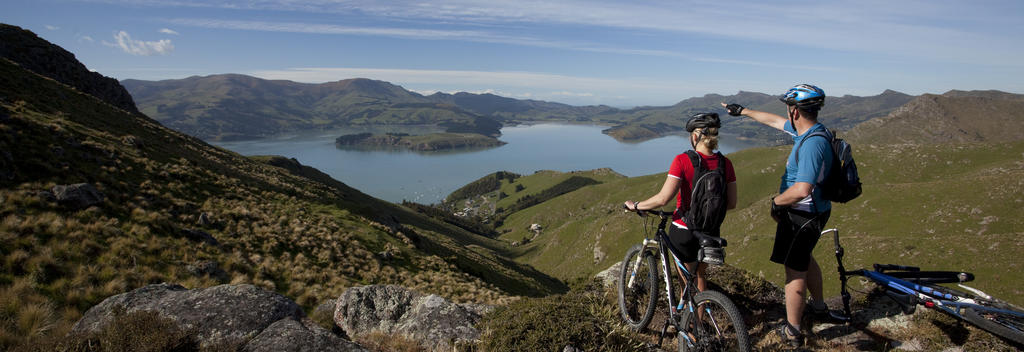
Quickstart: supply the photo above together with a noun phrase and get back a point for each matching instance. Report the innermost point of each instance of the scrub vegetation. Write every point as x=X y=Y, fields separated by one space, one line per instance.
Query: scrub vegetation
x=269 y=221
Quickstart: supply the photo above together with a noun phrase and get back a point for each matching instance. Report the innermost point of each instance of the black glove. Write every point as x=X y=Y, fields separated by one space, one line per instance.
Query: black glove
x=734 y=109
x=777 y=211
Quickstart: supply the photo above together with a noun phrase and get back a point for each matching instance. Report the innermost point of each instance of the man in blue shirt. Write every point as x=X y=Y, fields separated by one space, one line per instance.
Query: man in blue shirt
x=800 y=210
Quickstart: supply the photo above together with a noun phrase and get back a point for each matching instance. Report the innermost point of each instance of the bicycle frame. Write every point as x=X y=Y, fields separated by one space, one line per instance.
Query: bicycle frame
x=660 y=244
x=913 y=293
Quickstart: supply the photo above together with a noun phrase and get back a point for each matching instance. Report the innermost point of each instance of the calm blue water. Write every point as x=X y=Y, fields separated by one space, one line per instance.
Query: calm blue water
x=428 y=178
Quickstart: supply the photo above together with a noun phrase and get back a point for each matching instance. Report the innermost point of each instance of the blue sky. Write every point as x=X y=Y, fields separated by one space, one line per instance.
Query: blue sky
x=620 y=53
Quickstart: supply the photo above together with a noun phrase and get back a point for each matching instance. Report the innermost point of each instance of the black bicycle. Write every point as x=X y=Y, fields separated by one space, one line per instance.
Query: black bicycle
x=704 y=321
x=910 y=287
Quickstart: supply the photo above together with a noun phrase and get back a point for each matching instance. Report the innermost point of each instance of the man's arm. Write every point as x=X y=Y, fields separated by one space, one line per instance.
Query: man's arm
x=795 y=193
x=767 y=118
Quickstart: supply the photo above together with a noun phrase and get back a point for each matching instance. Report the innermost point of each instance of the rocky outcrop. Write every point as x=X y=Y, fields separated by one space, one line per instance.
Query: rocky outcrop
x=77 y=196
x=433 y=321
x=288 y=335
x=199 y=236
x=37 y=55
x=245 y=315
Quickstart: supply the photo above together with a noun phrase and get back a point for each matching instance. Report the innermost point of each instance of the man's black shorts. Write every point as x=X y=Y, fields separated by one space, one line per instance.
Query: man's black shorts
x=795 y=237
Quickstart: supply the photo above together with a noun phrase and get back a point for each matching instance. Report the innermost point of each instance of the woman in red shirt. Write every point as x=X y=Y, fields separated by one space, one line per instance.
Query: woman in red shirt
x=703 y=130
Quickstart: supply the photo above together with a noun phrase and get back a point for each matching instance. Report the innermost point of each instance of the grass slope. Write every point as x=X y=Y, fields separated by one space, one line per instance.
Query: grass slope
x=500 y=192
x=279 y=224
x=940 y=207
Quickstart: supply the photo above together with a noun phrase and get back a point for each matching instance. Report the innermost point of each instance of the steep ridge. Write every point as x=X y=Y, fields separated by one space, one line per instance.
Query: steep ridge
x=166 y=207
x=510 y=110
x=231 y=106
x=37 y=55
x=954 y=117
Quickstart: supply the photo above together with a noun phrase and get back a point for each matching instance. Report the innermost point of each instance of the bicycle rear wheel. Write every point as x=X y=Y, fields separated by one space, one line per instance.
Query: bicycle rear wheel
x=637 y=302
x=719 y=325
x=1006 y=325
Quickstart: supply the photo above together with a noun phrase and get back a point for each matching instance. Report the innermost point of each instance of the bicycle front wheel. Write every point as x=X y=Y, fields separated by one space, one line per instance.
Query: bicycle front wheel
x=1006 y=325
x=719 y=325
x=638 y=287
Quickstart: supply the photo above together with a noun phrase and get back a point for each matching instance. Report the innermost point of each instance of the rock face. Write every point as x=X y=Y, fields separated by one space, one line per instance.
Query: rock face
x=77 y=196
x=433 y=321
x=259 y=319
x=290 y=335
x=37 y=55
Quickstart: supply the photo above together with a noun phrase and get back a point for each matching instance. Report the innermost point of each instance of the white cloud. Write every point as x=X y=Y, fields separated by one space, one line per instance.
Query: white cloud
x=464 y=35
x=168 y=31
x=139 y=47
x=572 y=94
x=52 y=28
x=296 y=27
x=945 y=31
x=86 y=38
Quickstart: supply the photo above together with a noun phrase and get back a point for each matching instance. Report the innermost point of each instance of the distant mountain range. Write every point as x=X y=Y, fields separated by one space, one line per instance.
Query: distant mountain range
x=233 y=106
x=841 y=113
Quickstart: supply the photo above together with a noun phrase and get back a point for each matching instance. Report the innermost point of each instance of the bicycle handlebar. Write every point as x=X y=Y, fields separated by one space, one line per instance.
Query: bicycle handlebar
x=660 y=213
x=705 y=240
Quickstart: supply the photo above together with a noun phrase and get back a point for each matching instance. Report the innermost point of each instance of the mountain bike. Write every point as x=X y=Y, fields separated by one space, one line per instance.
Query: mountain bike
x=910 y=287
x=704 y=321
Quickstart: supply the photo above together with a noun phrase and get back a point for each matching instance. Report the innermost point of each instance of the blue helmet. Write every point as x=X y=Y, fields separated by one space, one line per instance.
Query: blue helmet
x=805 y=97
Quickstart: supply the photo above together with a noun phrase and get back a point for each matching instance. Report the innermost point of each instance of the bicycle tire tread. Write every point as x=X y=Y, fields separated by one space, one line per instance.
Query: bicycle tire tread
x=652 y=287
x=733 y=313
x=972 y=315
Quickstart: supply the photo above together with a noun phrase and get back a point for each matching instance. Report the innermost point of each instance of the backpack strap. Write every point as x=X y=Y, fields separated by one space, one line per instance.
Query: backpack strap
x=828 y=138
x=695 y=159
x=823 y=134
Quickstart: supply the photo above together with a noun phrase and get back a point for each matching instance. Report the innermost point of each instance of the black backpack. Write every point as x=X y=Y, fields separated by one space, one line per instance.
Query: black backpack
x=842 y=184
x=708 y=197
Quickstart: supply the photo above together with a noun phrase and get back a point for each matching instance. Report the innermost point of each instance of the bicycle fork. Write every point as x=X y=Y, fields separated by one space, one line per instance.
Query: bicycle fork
x=843 y=274
x=636 y=264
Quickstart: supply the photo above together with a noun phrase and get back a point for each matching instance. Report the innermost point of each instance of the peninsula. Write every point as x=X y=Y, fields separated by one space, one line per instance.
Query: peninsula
x=422 y=143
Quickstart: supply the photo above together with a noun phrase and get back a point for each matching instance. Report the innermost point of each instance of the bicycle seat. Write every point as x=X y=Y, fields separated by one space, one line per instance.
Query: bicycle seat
x=710 y=241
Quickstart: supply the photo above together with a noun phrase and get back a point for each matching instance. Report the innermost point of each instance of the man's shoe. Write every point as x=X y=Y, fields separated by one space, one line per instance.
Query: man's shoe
x=825 y=315
x=790 y=335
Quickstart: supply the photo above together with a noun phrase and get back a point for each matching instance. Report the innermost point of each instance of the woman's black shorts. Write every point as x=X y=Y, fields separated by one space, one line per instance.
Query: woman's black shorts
x=683 y=243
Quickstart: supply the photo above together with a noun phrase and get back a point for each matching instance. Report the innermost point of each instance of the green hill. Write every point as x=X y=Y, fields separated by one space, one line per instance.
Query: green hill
x=232 y=106
x=175 y=209
x=939 y=206
x=493 y=197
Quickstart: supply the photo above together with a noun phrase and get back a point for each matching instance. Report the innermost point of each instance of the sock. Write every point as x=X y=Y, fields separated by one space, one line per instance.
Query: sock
x=796 y=329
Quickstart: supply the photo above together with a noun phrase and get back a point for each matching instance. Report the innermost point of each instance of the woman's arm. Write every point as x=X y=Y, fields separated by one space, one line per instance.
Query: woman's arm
x=730 y=196
x=668 y=190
